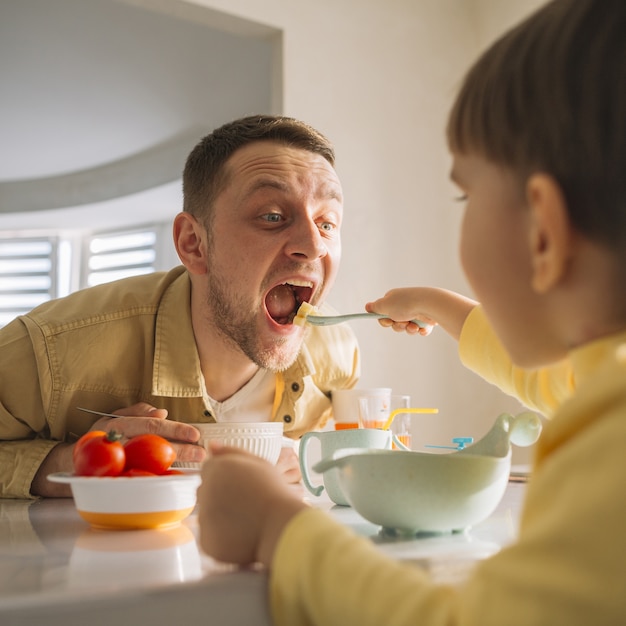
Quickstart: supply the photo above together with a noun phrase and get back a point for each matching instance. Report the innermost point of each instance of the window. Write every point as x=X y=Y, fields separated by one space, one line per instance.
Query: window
x=118 y=255
x=34 y=269
x=28 y=274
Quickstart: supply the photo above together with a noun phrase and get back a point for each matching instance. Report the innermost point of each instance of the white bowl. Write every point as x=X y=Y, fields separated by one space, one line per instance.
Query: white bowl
x=135 y=502
x=424 y=492
x=415 y=491
x=261 y=438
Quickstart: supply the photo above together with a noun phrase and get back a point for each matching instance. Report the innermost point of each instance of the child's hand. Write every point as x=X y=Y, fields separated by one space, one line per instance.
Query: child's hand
x=401 y=306
x=428 y=304
x=244 y=503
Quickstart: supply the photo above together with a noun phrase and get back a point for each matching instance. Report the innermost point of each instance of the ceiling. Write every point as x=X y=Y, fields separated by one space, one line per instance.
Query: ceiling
x=101 y=102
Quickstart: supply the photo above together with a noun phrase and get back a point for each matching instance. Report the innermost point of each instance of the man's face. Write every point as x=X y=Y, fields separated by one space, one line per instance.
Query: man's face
x=274 y=242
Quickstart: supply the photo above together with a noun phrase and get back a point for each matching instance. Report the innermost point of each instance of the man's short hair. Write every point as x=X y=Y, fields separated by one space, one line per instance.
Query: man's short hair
x=204 y=173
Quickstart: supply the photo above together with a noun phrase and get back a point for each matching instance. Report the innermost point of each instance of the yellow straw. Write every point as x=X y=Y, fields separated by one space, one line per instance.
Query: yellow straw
x=407 y=410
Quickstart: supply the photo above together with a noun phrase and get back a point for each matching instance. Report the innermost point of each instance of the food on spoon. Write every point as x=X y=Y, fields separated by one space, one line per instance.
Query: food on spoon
x=282 y=300
x=304 y=311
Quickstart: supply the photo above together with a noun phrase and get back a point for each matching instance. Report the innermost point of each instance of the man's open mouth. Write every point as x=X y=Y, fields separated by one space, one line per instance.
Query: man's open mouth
x=283 y=301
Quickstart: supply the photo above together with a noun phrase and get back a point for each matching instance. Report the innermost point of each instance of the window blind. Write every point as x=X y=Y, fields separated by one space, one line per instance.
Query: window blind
x=28 y=274
x=111 y=256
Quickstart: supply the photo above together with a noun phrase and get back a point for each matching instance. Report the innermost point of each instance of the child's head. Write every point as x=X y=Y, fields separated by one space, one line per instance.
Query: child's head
x=538 y=134
x=550 y=96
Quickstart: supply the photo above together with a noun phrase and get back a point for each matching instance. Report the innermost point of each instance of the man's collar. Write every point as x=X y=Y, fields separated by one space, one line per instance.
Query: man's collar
x=176 y=368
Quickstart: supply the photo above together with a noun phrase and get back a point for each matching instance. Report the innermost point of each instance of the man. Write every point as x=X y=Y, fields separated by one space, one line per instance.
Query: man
x=209 y=341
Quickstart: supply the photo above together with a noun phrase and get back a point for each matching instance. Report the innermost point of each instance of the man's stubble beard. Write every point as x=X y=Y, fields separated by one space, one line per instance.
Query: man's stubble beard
x=233 y=318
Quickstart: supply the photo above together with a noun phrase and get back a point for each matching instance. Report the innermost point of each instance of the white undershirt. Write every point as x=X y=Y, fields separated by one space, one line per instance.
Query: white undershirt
x=252 y=403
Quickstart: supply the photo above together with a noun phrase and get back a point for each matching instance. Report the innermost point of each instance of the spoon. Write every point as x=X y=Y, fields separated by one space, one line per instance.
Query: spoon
x=307 y=315
x=80 y=408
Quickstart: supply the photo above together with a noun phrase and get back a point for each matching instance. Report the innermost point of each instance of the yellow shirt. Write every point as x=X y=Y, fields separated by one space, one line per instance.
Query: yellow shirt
x=568 y=566
x=120 y=343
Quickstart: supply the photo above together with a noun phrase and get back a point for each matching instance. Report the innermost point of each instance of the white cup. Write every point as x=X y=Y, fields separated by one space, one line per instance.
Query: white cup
x=374 y=410
x=346 y=405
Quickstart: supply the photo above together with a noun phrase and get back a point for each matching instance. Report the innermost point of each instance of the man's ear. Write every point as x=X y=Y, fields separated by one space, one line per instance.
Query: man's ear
x=190 y=241
x=550 y=234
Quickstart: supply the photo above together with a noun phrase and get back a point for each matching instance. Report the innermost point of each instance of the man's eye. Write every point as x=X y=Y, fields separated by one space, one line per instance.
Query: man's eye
x=329 y=227
x=274 y=218
x=461 y=198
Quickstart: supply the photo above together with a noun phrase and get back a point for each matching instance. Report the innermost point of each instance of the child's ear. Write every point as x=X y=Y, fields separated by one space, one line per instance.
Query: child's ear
x=190 y=242
x=550 y=233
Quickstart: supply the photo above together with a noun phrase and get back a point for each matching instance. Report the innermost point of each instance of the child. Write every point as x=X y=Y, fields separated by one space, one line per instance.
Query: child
x=537 y=135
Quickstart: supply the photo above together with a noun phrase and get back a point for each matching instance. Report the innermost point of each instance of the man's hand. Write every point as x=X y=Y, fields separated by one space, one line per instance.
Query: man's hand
x=244 y=503
x=289 y=465
x=134 y=420
x=144 y=418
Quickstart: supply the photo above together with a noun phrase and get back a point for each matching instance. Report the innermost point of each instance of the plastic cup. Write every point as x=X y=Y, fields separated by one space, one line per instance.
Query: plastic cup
x=346 y=405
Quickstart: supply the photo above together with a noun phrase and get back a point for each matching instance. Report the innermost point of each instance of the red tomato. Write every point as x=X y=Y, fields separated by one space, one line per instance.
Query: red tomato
x=172 y=472
x=149 y=452
x=99 y=455
x=86 y=437
x=136 y=472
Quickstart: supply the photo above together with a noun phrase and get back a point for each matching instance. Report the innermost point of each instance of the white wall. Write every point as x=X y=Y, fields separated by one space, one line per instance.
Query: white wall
x=495 y=16
x=378 y=78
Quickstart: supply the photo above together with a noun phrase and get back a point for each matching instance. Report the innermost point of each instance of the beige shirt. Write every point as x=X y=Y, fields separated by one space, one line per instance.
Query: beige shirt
x=567 y=566
x=120 y=343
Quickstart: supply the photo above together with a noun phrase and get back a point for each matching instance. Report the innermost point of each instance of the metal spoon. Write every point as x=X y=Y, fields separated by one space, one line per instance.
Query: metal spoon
x=328 y=320
x=80 y=408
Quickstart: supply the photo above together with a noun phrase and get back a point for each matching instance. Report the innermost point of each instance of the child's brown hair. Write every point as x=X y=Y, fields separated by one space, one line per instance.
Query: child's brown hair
x=550 y=96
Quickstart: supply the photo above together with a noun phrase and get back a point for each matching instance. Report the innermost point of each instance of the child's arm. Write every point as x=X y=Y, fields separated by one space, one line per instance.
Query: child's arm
x=244 y=503
x=428 y=304
x=245 y=511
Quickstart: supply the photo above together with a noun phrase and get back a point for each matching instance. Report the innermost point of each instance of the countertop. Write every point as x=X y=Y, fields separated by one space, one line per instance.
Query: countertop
x=55 y=569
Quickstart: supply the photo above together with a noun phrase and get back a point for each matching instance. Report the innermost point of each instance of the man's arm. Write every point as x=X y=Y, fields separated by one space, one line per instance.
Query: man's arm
x=59 y=459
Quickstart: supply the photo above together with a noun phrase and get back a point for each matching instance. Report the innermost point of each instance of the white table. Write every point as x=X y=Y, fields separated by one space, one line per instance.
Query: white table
x=55 y=570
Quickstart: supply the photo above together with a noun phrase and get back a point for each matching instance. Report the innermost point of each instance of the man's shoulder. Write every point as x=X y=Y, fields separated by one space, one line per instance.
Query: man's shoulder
x=124 y=297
